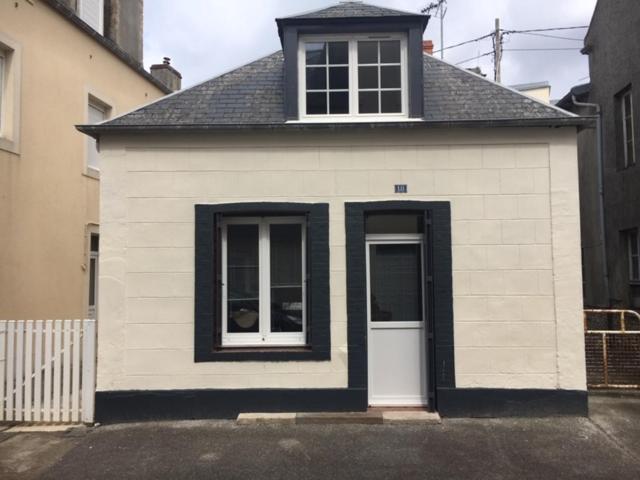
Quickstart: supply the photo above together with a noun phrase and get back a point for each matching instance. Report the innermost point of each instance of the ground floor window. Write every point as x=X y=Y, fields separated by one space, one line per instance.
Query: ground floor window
x=94 y=247
x=263 y=281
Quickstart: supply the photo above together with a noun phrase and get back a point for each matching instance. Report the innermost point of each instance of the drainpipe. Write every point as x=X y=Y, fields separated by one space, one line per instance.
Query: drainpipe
x=600 y=158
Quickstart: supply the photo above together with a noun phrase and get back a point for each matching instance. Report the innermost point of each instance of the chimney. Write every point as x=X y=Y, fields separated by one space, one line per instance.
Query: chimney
x=123 y=25
x=427 y=47
x=167 y=74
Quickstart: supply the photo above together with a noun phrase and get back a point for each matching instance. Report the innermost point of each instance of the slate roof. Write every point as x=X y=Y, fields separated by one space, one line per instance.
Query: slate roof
x=353 y=10
x=252 y=96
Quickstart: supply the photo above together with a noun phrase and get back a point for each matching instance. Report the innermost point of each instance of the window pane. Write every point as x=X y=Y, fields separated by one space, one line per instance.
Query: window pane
x=627 y=104
x=396 y=283
x=391 y=102
x=633 y=243
x=339 y=53
x=395 y=223
x=243 y=285
x=316 y=53
x=367 y=77
x=339 y=78
x=390 y=51
x=316 y=103
x=390 y=77
x=339 y=102
x=286 y=277
x=368 y=102
x=316 y=78
x=92 y=282
x=95 y=242
x=367 y=52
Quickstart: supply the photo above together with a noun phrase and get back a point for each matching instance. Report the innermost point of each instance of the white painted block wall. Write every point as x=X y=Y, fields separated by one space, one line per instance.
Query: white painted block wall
x=516 y=251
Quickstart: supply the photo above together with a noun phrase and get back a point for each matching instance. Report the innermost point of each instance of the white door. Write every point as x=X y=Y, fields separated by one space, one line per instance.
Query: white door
x=395 y=311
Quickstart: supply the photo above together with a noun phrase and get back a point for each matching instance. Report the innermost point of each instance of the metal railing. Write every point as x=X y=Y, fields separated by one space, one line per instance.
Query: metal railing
x=612 y=341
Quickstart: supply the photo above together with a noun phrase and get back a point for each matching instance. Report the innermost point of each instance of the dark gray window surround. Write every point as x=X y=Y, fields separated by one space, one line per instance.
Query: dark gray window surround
x=207 y=332
x=438 y=283
x=291 y=29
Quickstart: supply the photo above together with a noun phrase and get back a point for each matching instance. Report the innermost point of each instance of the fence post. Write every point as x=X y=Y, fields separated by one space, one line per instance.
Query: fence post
x=88 y=370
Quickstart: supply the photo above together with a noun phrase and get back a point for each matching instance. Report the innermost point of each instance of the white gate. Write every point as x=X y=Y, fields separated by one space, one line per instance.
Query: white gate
x=47 y=370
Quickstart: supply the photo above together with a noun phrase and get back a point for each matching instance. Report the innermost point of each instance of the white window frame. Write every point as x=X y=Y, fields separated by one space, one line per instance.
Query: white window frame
x=628 y=137
x=93 y=102
x=353 y=115
x=264 y=337
x=633 y=236
x=93 y=255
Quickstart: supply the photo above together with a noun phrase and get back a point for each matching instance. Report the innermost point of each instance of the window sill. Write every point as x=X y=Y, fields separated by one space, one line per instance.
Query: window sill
x=92 y=173
x=262 y=354
x=363 y=119
x=9 y=145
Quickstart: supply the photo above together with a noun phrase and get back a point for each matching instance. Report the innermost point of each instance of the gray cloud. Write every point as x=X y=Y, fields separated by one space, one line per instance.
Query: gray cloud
x=207 y=37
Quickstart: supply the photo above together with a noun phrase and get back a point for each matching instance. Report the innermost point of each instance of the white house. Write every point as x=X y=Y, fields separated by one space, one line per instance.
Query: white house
x=345 y=223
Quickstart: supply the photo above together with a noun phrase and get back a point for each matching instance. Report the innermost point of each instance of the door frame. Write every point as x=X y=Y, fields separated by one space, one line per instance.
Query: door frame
x=397 y=239
x=438 y=285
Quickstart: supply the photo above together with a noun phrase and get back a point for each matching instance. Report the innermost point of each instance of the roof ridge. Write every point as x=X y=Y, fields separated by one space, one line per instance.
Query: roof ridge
x=341 y=3
x=505 y=87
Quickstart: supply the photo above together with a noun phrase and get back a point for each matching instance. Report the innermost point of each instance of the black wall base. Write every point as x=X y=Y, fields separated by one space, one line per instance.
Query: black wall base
x=140 y=405
x=490 y=402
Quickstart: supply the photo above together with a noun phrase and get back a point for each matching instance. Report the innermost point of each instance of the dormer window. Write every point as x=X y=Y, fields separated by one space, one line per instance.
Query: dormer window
x=352 y=77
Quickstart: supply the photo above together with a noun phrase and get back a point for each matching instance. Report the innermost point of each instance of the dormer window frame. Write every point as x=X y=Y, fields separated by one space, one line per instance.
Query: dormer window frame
x=353 y=116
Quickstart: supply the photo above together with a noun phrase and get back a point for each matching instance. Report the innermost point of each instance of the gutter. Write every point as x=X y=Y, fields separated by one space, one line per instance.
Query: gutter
x=96 y=130
x=600 y=160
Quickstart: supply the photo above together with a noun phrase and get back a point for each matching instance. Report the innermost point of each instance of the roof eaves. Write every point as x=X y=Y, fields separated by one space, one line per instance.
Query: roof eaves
x=569 y=121
x=71 y=16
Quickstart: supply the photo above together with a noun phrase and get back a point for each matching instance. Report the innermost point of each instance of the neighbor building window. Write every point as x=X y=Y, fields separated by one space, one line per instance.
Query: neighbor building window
x=92 y=12
x=628 y=144
x=633 y=246
x=10 y=83
x=350 y=77
x=94 y=247
x=97 y=112
x=263 y=281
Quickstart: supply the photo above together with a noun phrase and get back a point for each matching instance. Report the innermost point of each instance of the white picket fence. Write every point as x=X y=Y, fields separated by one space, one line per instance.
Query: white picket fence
x=47 y=370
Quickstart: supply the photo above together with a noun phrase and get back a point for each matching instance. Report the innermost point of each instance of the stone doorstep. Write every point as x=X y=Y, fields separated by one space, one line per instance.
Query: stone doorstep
x=379 y=417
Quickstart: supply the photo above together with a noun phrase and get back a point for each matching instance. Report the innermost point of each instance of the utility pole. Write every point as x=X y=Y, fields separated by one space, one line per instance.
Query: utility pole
x=497 y=52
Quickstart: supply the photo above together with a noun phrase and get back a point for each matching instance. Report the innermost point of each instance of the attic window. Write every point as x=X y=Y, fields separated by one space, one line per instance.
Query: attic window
x=353 y=78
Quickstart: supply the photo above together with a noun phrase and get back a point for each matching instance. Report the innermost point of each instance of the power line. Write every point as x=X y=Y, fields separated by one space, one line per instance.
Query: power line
x=537 y=49
x=546 y=29
x=475 y=58
x=548 y=36
x=466 y=42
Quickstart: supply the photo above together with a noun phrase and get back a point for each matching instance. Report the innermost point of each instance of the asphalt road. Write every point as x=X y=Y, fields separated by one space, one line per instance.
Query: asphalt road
x=605 y=446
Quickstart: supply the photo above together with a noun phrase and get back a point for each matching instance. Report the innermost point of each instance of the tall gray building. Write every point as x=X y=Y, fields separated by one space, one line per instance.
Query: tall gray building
x=608 y=156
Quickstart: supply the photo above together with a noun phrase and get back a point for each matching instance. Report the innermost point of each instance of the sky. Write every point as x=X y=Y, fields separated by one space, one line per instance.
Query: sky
x=206 y=38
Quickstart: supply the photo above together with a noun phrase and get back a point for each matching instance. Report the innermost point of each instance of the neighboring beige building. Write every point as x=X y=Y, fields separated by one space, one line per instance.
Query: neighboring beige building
x=538 y=90
x=344 y=224
x=56 y=71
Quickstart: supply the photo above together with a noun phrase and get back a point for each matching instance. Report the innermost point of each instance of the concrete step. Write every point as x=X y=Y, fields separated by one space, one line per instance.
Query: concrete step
x=372 y=417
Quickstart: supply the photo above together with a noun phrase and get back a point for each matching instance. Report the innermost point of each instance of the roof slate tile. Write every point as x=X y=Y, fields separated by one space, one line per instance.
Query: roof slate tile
x=254 y=95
